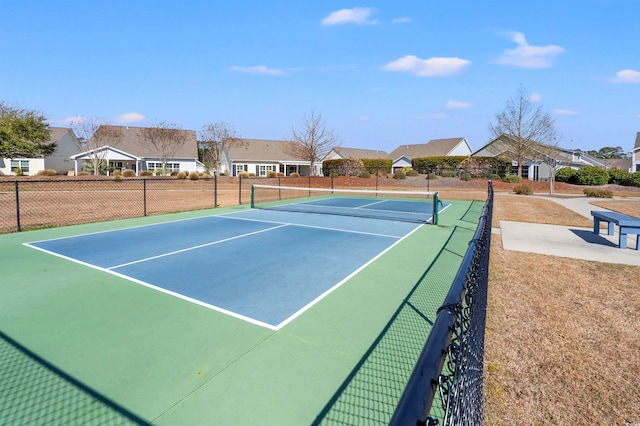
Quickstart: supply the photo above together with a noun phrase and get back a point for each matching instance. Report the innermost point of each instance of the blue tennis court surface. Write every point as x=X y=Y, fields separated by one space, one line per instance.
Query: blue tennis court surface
x=265 y=267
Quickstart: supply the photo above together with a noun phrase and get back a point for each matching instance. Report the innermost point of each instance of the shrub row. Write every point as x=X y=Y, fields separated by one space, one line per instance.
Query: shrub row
x=595 y=176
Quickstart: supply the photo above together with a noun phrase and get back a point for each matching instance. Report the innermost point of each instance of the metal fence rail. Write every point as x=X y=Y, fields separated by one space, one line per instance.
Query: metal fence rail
x=447 y=383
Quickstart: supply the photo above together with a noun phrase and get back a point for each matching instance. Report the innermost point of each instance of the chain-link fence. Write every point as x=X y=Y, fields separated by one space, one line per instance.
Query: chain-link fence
x=447 y=383
x=29 y=203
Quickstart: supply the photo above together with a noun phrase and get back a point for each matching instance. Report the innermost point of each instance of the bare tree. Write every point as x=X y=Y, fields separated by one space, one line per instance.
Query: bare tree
x=165 y=138
x=313 y=141
x=215 y=139
x=525 y=126
x=95 y=137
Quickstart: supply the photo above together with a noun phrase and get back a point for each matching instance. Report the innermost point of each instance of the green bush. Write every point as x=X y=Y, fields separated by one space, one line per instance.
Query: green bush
x=412 y=173
x=18 y=171
x=523 y=189
x=399 y=174
x=448 y=173
x=146 y=173
x=592 y=176
x=194 y=175
x=598 y=193
x=633 y=179
x=380 y=165
x=46 y=172
x=181 y=175
x=495 y=177
x=512 y=179
x=566 y=175
x=365 y=175
x=128 y=173
x=343 y=167
x=432 y=176
x=618 y=176
x=465 y=177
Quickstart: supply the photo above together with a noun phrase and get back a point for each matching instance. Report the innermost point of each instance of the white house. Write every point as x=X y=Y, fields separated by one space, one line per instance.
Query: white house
x=132 y=152
x=635 y=155
x=260 y=156
x=66 y=146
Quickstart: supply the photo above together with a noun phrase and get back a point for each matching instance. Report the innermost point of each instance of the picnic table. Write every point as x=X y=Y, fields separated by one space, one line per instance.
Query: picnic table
x=626 y=225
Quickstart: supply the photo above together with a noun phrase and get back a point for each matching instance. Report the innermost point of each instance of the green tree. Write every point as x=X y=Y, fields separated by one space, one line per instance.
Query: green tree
x=23 y=133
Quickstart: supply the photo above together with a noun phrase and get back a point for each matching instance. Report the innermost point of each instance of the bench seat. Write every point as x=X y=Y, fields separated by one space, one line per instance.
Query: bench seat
x=626 y=224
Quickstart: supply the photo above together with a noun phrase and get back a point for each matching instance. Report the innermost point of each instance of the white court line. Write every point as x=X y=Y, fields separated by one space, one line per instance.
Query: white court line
x=329 y=291
x=371 y=204
x=196 y=247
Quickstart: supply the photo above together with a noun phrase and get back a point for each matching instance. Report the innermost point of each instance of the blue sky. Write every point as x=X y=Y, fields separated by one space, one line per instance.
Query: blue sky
x=382 y=73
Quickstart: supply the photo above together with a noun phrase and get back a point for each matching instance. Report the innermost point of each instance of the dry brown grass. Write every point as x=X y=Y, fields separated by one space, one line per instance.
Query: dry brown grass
x=563 y=335
x=630 y=207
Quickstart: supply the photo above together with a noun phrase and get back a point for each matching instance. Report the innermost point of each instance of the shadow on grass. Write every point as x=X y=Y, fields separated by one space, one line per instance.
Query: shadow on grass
x=33 y=391
x=369 y=394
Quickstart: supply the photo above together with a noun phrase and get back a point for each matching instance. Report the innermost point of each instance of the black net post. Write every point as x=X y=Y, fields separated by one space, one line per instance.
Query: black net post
x=18 y=206
x=215 y=189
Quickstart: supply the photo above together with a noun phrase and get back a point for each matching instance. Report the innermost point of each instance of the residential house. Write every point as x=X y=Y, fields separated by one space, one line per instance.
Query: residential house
x=403 y=154
x=66 y=145
x=635 y=155
x=356 y=153
x=260 y=156
x=132 y=152
x=539 y=158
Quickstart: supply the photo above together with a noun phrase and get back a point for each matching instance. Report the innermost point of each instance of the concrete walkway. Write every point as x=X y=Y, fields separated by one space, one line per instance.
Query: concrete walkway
x=569 y=241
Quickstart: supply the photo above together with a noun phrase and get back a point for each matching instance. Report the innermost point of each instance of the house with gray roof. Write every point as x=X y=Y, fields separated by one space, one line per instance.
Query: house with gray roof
x=403 y=154
x=356 y=153
x=66 y=145
x=130 y=151
x=261 y=156
x=538 y=158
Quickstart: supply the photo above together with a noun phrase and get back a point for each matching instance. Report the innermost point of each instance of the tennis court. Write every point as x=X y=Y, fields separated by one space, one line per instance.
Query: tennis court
x=223 y=316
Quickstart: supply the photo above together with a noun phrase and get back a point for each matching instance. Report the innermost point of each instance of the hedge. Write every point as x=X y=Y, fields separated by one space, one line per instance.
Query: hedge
x=342 y=167
x=373 y=165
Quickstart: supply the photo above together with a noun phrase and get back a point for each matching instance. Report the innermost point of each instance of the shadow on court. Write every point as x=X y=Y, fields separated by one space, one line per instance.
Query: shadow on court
x=371 y=391
x=36 y=392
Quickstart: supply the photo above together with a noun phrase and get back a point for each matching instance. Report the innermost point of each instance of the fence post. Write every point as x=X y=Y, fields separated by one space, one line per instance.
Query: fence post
x=144 y=196
x=215 y=189
x=17 y=206
x=240 y=191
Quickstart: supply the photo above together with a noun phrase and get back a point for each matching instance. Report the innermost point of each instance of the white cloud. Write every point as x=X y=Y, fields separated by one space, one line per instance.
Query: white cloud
x=527 y=56
x=403 y=20
x=433 y=116
x=627 y=76
x=565 y=112
x=357 y=15
x=364 y=118
x=457 y=105
x=259 y=70
x=130 y=117
x=535 y=97
x=432 y=67
x=72 y=120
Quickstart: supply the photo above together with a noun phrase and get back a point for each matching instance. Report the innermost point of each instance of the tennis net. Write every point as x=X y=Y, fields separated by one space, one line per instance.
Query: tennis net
x=406 y=206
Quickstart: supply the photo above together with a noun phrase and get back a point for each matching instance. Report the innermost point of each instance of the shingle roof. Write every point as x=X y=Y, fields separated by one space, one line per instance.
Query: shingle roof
x=57 y=133
x=260 y=150
x=361 y=153
x=619 y=163
x=433 y=148
x=637 y=145
x=133 y=143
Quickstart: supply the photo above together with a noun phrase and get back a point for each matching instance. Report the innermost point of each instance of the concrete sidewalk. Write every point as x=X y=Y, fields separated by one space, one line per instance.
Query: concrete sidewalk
x=569 y=241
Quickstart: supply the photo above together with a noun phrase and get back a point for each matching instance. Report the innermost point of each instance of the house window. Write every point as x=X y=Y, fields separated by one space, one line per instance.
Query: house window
x=22 y=164
x=238 y=168
x=170 y=167
x=265 y=168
